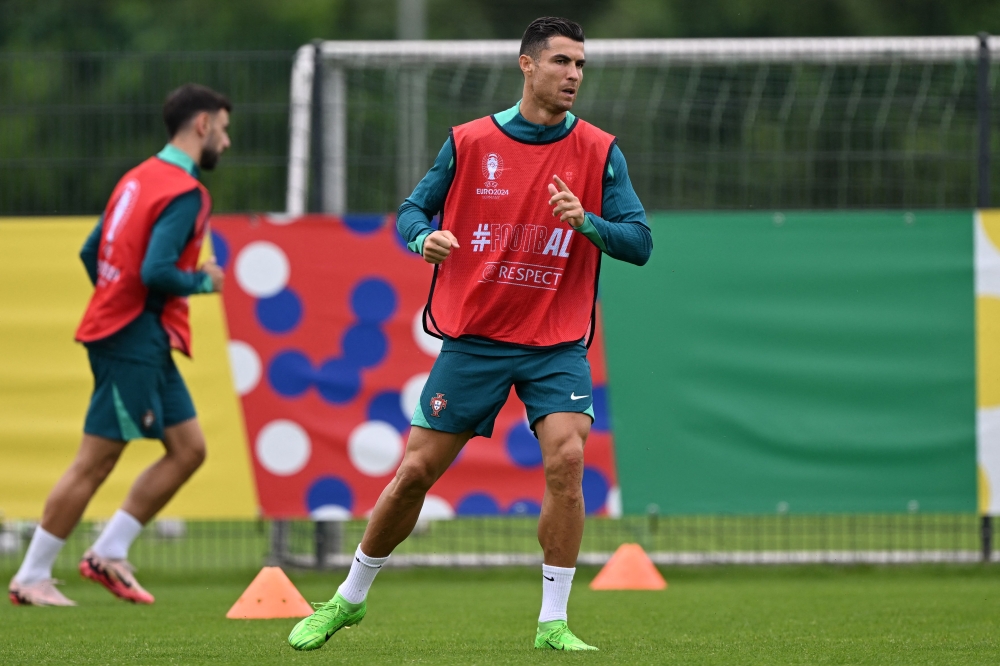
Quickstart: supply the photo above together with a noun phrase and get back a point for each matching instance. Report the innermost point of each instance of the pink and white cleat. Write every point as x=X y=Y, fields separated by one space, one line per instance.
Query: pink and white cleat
x=116 y=575
x=40 y=593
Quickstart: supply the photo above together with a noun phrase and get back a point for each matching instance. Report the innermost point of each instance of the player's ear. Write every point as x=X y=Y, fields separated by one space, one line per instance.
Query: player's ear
x=527 y=63
x=203 y=123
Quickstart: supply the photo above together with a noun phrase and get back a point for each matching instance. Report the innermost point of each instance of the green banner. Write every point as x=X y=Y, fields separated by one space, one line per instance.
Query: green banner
x=805 y=362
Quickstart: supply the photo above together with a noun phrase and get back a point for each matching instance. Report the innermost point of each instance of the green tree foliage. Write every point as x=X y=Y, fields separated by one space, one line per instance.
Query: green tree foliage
x=196 y=25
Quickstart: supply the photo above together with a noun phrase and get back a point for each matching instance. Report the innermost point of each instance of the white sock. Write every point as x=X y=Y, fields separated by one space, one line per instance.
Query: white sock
x=363 y=570
x=556 y=585
x=117 y=536
x=42 y=553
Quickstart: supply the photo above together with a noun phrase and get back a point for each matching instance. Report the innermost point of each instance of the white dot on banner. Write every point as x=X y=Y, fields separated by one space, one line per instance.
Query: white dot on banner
x=330 y=512
x=262 y=269
x=375 y=448
x=245 y=366
x=280 y=219
x=428 y=344
x=283 y=447
x=614 y=502
x=436 y=508
x=410 y=395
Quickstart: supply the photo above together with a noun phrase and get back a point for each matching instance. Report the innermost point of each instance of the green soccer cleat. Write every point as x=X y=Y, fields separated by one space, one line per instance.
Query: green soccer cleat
x=313 y=632
x=555 y=635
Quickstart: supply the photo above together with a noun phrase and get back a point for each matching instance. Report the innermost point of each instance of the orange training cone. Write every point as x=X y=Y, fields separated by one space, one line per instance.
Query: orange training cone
x=270 y=595
x=629 y=569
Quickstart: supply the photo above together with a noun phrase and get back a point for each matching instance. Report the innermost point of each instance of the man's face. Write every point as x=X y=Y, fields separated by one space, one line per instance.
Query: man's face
x=216 y=139
x=556 y=75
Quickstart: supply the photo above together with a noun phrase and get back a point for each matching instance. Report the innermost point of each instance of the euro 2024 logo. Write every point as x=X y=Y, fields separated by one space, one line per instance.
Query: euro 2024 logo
x=492 y=168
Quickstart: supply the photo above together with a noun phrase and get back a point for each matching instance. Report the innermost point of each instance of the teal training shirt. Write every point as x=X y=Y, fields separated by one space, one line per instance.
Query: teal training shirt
x=144 y=340
x=622 y=233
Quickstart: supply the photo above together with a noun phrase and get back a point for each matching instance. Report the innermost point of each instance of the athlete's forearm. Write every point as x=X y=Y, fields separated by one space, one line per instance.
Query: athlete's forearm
x=414 y=225
x=624 y=240
x=622 y=232
x=88 y=253
x=171 y=234
x=413 y=219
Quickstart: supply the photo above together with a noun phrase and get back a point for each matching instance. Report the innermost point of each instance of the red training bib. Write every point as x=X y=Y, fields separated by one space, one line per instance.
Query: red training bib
x=519 y=276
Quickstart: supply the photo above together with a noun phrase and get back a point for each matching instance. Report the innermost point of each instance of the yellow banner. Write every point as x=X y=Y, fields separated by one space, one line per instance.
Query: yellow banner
x=45 y=384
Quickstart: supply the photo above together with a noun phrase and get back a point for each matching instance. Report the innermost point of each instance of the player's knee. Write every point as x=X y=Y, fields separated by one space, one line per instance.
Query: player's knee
x=564 y=467
x=95 y=469
x=415 y=477
x=99 y=470
x=192 y=454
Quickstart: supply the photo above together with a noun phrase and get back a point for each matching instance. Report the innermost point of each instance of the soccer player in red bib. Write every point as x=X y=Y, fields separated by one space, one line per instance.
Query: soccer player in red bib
x=142 y=259
x=530 y=199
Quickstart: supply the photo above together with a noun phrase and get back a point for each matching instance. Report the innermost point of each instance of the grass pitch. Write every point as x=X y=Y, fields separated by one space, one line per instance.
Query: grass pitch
x=710 y=615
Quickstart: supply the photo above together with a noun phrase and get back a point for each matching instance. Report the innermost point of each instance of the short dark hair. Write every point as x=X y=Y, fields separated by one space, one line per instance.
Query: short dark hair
x=537 y=36
x=189 y=100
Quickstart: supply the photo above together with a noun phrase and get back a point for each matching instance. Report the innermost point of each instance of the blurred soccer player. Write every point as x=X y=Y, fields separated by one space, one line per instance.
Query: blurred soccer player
x=530 y=198
x=142 y=259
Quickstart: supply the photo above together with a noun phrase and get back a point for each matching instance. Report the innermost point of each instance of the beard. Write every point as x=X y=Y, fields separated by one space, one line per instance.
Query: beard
x=209 y=158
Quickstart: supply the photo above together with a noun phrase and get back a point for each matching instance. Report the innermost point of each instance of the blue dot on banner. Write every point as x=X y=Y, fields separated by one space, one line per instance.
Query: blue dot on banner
x=329 y=490
x=365 y=345
x=373 y=301
x=522 y=447
x=602 y=410
x=525 y=507
x=364 y=223
x=477 y=504
x=280 y=313
x=338 y=381
x=385 y=407
x=290 y=373
x=220 y=248
x=595 y=490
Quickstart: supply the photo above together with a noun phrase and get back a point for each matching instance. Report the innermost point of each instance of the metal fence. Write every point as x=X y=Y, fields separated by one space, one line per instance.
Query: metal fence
x=71 y=124
x=670 y=540
x=704 y=124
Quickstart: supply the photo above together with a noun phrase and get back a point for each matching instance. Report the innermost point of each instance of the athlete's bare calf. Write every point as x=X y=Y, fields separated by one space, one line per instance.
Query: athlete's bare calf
x=428 y=455
x=185 y=452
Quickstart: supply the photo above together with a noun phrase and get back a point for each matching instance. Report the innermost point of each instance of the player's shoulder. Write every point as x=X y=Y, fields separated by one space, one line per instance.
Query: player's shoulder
x=581 y=125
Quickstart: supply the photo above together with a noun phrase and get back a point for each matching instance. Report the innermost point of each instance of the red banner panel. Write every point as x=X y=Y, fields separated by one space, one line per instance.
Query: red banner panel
x=329 y=357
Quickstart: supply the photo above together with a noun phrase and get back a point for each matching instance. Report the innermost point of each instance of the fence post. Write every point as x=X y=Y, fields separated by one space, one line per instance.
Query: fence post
x=316 y=132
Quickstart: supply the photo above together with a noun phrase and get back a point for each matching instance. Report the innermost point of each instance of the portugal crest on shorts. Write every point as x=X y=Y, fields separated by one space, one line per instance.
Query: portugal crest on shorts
x=438 y=403
x=148 y=419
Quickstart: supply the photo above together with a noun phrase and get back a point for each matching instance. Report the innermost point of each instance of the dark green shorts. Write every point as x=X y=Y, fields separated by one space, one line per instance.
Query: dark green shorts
x=134 y=400
x=466 y=391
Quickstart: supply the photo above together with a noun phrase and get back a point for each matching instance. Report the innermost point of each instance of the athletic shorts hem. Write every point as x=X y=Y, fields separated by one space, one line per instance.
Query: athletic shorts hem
x=589 y=412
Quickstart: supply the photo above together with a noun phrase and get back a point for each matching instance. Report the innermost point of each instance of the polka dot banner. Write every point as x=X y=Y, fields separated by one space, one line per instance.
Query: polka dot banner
x=283 y=447
x=262 y=269
x=375 y=448
x=329 y=358
x=245 y=365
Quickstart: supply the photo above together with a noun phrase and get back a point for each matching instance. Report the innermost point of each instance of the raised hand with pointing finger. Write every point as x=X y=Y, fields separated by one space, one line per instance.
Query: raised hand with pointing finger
x=565 y=204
